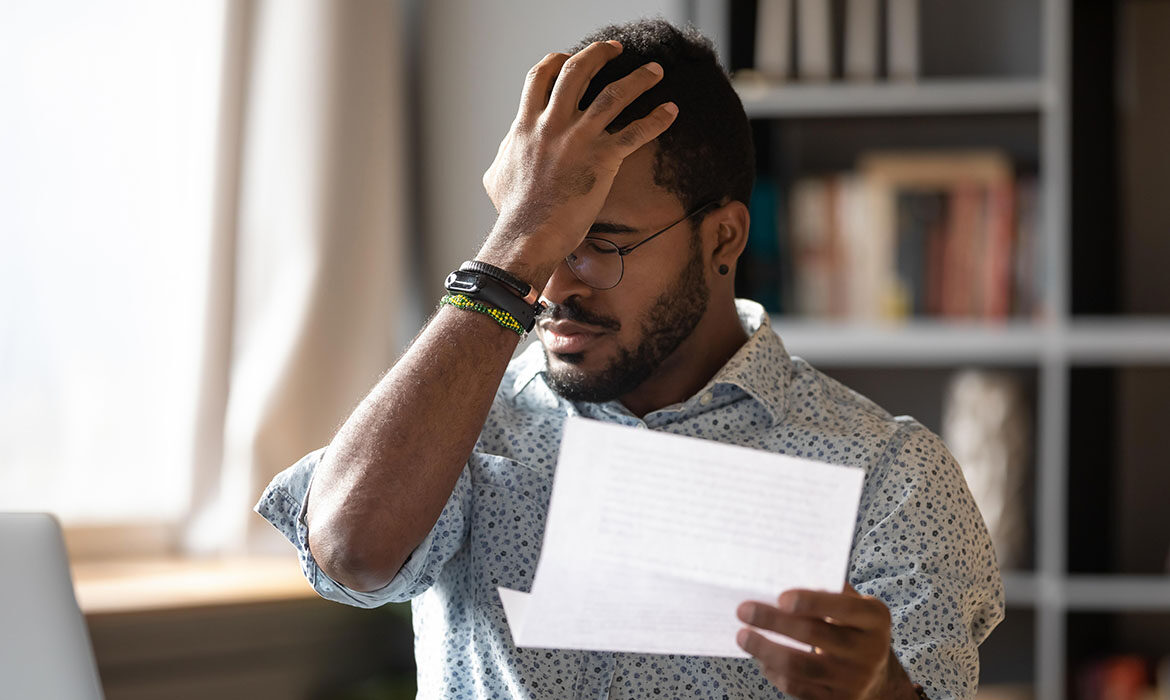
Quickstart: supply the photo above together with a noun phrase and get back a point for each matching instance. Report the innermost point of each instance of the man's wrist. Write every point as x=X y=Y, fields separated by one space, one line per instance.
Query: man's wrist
x=522 y=259
x=898 y=683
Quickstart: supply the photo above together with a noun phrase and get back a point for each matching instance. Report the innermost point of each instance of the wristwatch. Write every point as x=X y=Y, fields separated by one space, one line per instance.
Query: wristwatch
x=487 y=288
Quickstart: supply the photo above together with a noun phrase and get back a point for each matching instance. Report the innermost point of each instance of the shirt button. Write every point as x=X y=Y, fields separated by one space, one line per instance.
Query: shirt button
x=639 y=425
x=705 y=398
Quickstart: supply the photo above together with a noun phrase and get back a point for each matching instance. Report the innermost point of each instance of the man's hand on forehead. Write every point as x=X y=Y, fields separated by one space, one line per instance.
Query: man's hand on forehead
x=554 y=168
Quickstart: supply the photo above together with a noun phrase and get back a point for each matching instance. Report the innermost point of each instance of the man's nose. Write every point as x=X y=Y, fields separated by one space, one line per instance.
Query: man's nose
x=564 y=284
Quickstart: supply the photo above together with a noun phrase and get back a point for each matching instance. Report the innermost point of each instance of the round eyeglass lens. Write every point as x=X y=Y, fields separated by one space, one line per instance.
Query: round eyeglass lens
x=597 y=263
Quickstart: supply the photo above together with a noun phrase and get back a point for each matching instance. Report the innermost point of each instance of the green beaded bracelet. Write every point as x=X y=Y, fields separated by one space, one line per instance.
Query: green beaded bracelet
x=505 y=319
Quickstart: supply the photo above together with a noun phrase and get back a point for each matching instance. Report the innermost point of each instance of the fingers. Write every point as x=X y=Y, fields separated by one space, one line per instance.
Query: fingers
x=861 y=612
x=575 y=75
x=638 y=133
x=830 y=638
x=620 y=93
x=555 y=85
x=538 y=86
x=800 y=673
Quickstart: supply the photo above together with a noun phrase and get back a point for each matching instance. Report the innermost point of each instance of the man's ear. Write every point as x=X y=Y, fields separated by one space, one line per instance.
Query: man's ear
x=728 y=236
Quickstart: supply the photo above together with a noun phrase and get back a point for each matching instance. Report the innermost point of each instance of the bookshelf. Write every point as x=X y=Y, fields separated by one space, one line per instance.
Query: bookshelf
x=1013 y=80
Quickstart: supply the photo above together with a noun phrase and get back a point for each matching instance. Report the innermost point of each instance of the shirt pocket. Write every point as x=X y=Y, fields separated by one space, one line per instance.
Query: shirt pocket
x=508 y=507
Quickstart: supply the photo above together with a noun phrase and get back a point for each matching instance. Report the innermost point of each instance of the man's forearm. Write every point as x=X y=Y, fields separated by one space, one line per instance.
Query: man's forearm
x=390 y=469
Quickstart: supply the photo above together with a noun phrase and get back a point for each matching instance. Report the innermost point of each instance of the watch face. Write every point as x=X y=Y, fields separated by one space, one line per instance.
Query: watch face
x=462 y=283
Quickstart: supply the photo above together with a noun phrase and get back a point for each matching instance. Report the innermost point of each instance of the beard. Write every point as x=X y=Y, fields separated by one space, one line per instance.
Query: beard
x=669 y=321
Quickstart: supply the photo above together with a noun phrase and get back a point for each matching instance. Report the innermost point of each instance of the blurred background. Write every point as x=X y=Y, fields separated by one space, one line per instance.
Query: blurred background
x=221 y=221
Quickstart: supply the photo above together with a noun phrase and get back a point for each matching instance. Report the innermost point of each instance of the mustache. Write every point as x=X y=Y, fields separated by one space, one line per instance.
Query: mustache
x=571 y=310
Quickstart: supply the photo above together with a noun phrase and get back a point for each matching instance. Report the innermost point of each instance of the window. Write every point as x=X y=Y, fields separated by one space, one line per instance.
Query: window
x=107 y=143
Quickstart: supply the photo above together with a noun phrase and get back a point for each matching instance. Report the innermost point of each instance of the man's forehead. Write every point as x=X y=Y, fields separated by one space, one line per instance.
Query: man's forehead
x=638 y=218
x=632 y=208
x=635 y=201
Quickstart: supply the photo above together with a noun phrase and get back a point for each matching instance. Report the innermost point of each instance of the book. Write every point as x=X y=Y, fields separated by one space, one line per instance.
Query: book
x=813 y=248
x=967 y=249
x=902 y=39
x=997 y=261
x=866 y=252
x=918 y=217
x=861 y=40
x=1028 y=278
x=773 y=48
x=960 y=248
x=814 y=46
x=910 y=234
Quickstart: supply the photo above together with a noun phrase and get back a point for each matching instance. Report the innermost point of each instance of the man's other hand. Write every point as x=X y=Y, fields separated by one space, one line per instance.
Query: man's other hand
x=850 y=635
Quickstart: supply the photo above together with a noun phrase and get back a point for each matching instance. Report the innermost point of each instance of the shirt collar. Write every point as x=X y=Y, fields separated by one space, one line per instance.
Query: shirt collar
x=761 y=367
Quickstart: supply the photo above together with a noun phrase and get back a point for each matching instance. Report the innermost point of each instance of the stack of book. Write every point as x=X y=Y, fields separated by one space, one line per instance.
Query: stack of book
x=821 y=40
x=943 y=234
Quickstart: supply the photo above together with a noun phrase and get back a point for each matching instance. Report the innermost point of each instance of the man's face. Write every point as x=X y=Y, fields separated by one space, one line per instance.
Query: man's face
x=602 y=344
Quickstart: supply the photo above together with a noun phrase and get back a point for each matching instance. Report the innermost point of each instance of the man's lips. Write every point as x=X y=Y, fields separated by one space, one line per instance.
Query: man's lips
x=567 y=336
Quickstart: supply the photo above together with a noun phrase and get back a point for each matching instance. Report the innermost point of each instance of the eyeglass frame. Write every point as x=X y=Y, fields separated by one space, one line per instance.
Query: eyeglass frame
x=623 y=251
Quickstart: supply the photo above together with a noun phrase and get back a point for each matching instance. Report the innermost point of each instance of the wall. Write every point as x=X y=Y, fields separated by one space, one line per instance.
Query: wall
x=473 y=60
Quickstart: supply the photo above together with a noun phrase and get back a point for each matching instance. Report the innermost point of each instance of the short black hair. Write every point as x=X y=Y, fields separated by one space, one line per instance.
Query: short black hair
x=707 y=153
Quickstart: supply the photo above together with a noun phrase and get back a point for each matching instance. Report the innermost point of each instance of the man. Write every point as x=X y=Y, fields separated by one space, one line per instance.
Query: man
x=621 y=188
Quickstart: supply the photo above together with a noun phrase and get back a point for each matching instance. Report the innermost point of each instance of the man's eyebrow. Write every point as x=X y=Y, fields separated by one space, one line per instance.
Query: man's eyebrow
x=611 y=227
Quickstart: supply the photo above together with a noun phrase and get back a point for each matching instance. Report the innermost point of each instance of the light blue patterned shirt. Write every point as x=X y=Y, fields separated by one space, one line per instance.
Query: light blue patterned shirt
x=919 y=543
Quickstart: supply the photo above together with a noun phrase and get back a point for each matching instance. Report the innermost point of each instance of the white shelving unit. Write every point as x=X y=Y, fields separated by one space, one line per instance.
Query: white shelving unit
x=766 y=101
x=915 y=343
x=942 y=343
x=1052 y=345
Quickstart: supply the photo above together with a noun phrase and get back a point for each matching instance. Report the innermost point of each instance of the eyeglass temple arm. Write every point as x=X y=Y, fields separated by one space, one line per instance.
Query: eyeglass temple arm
x=629 y=249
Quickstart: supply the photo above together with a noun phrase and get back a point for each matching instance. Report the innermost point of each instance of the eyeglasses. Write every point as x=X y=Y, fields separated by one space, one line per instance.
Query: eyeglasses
x=600 y=264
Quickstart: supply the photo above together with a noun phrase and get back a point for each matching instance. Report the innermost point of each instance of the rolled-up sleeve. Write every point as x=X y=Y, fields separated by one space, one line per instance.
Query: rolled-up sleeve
x=922 y=547
x=283 y=504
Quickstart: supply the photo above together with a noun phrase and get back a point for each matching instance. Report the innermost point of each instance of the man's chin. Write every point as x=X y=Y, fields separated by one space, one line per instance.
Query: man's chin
x=575 y=359
x=581 y=376
x=577 y=367
x=592 y=360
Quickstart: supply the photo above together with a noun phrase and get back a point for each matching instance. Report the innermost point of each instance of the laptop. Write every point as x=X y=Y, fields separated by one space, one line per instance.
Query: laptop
x=44 y=644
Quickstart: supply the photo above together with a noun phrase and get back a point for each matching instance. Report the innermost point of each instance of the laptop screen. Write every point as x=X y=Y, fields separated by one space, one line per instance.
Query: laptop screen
x=44 y=644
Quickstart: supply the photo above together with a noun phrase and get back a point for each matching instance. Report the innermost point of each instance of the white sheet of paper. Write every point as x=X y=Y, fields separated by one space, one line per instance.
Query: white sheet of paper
x=652 y=541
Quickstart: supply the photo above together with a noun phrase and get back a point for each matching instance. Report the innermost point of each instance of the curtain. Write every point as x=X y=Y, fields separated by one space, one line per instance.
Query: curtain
x=309 y=246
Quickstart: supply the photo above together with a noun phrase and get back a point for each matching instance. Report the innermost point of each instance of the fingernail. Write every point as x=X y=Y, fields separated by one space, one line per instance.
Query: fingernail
x=614 y=42
x=670 y=108
x=745 y=611
x=741 y=638
x=654 y=68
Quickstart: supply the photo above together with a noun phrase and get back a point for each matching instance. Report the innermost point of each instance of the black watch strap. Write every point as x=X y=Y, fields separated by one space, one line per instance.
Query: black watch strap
x=519 y=286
